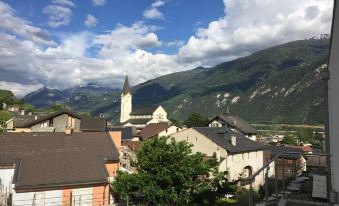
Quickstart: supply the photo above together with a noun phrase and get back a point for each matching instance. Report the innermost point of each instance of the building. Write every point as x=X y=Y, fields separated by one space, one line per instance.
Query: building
x=138 y=117
x=287 y=165
x=238 y=155
x=56 y=122
x=333 y=102
x=58 y=168
x=234 y=122
x=156 y=130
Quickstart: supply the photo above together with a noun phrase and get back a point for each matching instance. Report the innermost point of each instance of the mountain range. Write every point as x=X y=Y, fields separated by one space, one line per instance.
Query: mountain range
x=281 y=84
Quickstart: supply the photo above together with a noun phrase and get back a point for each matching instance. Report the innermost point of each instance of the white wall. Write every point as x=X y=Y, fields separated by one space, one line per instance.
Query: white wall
x=82 y=196
x=6 y=177
x=50 y=198
x=334 y=100
x=159 y=112
x=169 y=131
x=233 y=163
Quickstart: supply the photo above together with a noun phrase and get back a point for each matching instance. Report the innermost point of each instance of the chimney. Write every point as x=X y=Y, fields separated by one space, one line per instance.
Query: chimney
x=35 y=117
x=234 y=140
x=68 y=131
x=22 y=112
x=29 y=113
x=218 y=155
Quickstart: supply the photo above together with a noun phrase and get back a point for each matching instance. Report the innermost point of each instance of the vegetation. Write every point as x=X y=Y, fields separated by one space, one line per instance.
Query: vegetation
x=196 y=120
x=276 y=85
x=169 y=174
x=289 y=140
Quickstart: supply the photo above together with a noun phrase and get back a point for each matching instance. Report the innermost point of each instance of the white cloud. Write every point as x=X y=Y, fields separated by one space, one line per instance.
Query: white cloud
x=158 y=3
x=175 y=43
x=18 y=26
x=68 y=3
x=58 y=15
x=105 y=58
x=123 y=39
x=98 y=2
x=19 y=90
x=251 y=25
x=91 y=21
x=153 y=13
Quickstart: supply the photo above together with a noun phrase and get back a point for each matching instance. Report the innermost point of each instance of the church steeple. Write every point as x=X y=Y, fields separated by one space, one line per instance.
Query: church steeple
x=126 y=102
x=125 y=89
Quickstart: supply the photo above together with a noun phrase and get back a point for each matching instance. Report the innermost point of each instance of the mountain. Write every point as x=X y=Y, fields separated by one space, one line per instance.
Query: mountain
x=280 y=84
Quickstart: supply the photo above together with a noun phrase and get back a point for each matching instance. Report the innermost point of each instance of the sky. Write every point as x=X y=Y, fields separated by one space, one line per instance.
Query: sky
x=65 y=43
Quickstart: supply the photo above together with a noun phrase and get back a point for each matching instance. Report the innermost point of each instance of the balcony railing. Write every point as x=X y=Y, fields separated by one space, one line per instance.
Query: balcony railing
x=291 y=184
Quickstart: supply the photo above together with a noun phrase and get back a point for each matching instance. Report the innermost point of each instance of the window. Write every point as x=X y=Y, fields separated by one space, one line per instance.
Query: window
x=242 y=155
x=196 y=139
x=248 y=171
x=51 y=122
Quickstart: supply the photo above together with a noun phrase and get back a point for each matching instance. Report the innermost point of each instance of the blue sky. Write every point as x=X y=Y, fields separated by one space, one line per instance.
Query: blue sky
x=64 y=43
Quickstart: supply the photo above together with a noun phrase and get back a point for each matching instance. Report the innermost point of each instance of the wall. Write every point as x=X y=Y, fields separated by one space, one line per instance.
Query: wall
x=236 y=164
x=50 y=198
x=159 y=112
x=169 y=131
x=125 y=107
x=334 y=100
x=6 y=176
x=21 y=130
x=215 y=124
x=200 y=142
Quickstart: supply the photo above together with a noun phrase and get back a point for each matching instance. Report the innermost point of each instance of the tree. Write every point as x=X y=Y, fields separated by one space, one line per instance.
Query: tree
x=176 y=122
x=289 y=140
x=168 y=174
x=196 y=120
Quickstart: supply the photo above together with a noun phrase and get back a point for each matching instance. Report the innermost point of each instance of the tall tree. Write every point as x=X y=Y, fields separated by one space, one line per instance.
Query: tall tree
x=168 y=174
x=196 y=120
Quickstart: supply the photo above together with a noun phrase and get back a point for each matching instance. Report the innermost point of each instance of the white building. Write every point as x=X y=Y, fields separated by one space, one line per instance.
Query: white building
x=231 y=121
x=238 y=155
x=139 y=117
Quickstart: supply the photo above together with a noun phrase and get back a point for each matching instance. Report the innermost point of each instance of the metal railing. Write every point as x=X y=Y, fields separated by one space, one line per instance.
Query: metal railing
x=266 y=169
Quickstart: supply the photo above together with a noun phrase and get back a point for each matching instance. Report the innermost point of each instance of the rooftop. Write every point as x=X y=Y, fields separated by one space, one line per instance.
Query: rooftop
x=52 y=160
x=222 y=137
x=153 y=129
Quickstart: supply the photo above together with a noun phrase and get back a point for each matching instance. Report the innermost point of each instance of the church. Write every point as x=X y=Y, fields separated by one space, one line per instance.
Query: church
x=138 y=117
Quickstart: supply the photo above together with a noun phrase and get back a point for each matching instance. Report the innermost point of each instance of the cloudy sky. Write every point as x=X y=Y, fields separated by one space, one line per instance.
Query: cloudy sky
x=64 y=43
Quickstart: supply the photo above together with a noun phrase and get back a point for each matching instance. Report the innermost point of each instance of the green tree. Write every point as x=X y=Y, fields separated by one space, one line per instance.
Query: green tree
x=168 y=174
x=289 y=140
x=176 y=122
x=196 y=120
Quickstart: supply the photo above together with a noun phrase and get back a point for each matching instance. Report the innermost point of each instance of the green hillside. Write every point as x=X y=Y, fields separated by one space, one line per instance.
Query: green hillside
x=280 y=84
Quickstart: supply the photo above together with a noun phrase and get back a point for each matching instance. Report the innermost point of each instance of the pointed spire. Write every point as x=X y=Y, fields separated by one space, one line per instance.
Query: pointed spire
x=125 y=89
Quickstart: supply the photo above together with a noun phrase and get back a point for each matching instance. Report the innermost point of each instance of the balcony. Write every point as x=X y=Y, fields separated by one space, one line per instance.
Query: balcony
x=291 y=184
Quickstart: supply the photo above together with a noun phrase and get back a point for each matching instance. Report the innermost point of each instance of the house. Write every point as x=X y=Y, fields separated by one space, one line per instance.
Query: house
x=238 y=155
x=128 y=154
x=156 y=130
x=138 y=117
x=56 y=122
x=289 y=164
x=58 y=168
x=127 y=132
x=235 y=122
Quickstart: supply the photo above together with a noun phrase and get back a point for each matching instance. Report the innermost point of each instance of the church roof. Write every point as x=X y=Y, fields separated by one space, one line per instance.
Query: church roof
x=126 y=89
x=144 y=110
